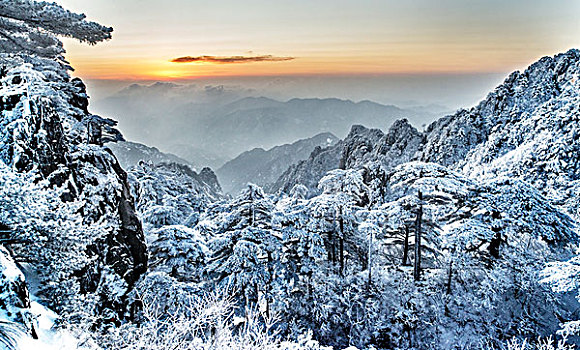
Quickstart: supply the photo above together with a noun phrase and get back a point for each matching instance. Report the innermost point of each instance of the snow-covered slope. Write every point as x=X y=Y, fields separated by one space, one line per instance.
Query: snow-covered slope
x=531 y=131
x=25 y=323
x=171 y=193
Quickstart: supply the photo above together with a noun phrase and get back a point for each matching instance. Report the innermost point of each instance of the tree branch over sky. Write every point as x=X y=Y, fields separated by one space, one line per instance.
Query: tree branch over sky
x=30 y=27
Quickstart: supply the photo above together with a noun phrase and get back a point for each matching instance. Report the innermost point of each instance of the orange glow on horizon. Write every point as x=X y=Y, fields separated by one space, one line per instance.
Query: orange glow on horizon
x=152 y=69
x=320 y=38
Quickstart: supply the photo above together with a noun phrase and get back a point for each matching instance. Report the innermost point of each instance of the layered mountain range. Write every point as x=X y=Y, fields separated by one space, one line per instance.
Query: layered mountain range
x=214 y=126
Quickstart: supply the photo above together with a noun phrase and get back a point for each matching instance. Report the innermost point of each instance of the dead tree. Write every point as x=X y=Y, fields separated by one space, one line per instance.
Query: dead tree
x=417 y=267
x=341 y=240
x=406 y=247
x=370 y=260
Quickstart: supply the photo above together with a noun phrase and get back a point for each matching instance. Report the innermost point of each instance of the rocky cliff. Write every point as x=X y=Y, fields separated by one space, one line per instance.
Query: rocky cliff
x=47 y=132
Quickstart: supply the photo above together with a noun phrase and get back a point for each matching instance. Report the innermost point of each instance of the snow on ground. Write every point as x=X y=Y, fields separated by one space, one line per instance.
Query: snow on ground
x=49 y=338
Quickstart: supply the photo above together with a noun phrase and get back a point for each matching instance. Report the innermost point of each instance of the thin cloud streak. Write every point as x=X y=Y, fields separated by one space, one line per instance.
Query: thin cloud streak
x=230 y=59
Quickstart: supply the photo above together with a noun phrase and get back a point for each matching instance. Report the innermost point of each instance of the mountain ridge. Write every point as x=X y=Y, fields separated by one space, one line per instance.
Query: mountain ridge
x=225 y=123
x=263 y=167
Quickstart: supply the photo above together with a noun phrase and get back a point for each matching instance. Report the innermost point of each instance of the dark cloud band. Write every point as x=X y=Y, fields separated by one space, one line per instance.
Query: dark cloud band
x=231 y=59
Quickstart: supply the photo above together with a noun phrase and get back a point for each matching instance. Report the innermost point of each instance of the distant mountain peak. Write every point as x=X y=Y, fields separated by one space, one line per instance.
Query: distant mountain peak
x=130 y=154
x=263 y=167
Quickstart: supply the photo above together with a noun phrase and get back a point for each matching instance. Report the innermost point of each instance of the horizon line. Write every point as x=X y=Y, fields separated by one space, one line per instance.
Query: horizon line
x=298 y=75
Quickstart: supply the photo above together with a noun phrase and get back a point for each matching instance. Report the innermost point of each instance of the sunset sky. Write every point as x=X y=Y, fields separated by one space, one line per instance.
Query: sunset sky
x=326 y=37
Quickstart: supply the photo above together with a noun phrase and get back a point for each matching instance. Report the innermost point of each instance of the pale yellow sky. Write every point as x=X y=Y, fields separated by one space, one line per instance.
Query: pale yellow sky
x=345 y=37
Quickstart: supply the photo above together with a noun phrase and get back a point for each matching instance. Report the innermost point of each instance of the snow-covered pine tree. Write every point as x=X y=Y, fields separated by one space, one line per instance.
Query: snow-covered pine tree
x=343 y=193
x=302 y=251
x=244 y=252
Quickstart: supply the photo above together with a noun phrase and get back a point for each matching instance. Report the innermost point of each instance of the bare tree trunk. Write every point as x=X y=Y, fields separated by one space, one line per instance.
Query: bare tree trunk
x=495 y=242
x=449 y=276
x=266 y=295
x=341 y=255
x=331 y=246
x=252 y=218
x=341 y=241
x=370 y=259
x=406 y=247
x=417 y=267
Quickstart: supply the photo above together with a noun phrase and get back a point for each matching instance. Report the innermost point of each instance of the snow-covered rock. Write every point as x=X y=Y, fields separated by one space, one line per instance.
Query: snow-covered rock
x=171 y=193
x=46 y=131
x=527 y=128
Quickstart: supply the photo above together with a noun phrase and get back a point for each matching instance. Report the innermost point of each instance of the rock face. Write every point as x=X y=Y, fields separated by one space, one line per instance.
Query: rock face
x=397 y=146
x=263 y=167
x=308 y=172
x=210 y=179
x=128 y=252
x=528 y=128
x=46 y=130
